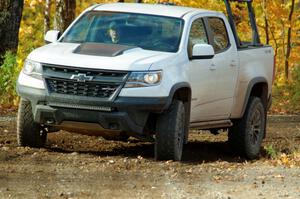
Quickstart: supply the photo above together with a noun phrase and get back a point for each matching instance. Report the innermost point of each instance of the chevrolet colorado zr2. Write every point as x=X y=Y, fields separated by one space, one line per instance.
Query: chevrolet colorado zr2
x=151 y=72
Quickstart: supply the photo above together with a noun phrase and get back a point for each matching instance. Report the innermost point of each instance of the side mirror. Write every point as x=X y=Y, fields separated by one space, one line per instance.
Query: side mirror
x=52 y=36
x=203 y=51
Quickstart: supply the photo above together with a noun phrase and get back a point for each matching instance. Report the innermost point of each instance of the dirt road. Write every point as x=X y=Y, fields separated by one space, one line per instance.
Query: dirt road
x=76 y=166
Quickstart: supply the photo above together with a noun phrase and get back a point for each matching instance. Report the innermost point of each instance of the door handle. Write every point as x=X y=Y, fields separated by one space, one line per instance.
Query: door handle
x=233 y=63
x=212 y=67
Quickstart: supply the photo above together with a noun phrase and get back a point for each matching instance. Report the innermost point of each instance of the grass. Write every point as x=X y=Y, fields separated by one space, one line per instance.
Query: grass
x=271 y=152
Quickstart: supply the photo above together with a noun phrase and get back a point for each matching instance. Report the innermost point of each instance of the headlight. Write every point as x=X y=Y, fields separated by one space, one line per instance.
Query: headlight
x=33 y=69
x=144 y=79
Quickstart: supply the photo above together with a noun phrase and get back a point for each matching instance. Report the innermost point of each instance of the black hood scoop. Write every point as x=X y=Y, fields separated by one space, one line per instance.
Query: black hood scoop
x=100 y=49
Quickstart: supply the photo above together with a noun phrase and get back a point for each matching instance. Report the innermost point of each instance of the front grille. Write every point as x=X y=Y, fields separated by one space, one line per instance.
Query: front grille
x=83 y=82
x=81 y=88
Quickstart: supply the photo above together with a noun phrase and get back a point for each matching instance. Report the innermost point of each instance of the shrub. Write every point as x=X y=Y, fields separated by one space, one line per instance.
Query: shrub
x=271 y=151
x=8 y=77
x=286 y=95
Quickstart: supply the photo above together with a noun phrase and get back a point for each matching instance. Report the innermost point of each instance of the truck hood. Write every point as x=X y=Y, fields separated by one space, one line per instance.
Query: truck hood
x=64 y=54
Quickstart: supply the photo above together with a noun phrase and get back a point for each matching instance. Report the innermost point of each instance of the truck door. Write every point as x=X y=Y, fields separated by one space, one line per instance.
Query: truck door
x=202 y=76
x=226 y=65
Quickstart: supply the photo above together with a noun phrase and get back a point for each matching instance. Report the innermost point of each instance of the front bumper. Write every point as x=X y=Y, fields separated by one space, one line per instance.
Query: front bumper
x=128 y=114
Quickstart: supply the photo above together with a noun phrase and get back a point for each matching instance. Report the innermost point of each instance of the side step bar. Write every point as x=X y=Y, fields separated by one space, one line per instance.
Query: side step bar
x=211 y=124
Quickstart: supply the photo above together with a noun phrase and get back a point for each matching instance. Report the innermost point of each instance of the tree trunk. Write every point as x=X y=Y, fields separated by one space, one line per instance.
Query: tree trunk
x=275 y=42
x=65 y=14
x=289 y=41
x=10 y=19
x=47 y=16
x=266 y=21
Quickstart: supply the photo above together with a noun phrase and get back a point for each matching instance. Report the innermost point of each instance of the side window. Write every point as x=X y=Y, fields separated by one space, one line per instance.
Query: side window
x=197 y=34
x=219 y=35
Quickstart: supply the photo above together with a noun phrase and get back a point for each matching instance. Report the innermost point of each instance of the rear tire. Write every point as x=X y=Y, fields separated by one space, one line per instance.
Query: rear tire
x=29 y=133
x=247 y=134
x=170 y=133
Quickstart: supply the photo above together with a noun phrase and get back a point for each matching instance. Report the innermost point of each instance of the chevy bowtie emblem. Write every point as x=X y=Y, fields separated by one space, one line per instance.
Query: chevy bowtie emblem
x=82 y=77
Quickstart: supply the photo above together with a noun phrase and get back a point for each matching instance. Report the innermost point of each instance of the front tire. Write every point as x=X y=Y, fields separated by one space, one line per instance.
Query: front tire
x=170 y=133
x=29 y=133
x=247 y=134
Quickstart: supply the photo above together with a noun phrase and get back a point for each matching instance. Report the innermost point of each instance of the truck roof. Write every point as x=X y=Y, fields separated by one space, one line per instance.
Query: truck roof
x=151 y=9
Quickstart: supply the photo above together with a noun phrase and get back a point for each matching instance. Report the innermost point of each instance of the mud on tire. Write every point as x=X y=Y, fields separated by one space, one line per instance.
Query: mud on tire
x=29 y=133
x=170 y=133
x=246 y=135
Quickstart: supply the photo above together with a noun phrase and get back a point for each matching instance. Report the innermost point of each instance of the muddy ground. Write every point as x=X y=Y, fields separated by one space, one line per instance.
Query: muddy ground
x=76 y=166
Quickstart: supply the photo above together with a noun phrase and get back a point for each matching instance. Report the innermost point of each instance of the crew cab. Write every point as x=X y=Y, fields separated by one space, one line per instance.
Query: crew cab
x=171 y=68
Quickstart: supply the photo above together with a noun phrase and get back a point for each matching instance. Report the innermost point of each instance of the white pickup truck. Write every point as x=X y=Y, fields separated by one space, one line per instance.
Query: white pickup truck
x=151 y=72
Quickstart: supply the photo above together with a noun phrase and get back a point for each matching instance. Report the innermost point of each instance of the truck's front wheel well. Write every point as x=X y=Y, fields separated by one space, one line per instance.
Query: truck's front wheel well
x=260 y=90
x=183 y=94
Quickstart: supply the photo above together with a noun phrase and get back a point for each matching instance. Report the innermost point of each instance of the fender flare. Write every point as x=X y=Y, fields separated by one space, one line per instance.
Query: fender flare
x=173 y=90
x=251 y=84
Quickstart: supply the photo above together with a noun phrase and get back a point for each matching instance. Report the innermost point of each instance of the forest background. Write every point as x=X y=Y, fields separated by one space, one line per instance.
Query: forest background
x=23 y=24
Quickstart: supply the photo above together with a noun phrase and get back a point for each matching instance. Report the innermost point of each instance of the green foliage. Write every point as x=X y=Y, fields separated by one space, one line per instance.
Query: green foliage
x=286 y=97
x=296 y=84
x=8 y=77
x=271 y=151
x=31 y=35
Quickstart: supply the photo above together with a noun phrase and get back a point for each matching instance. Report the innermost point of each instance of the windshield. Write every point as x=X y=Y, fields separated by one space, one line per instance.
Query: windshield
x=149 y=32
